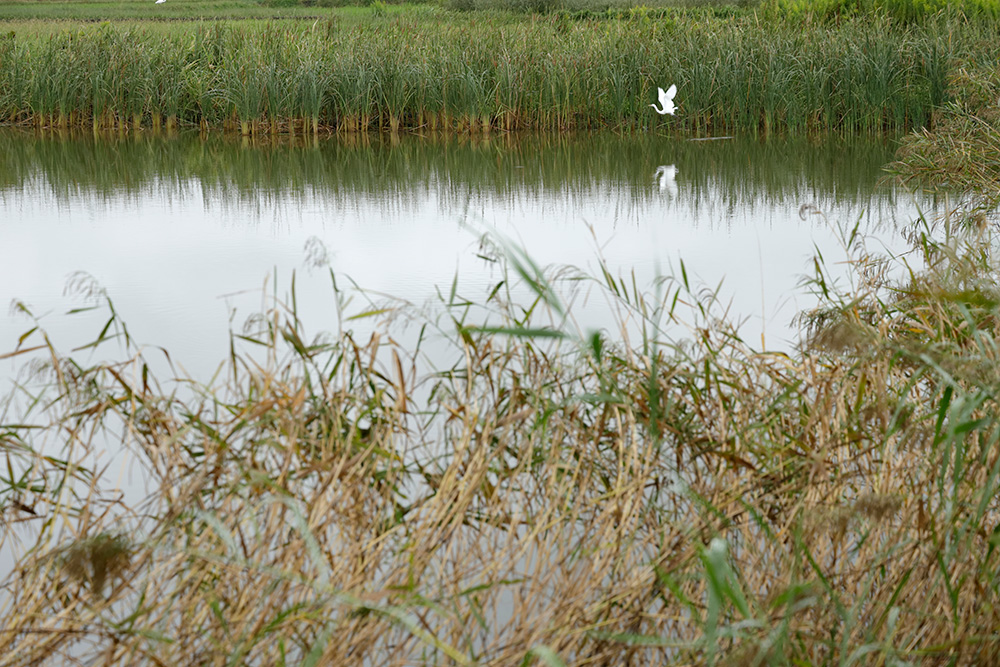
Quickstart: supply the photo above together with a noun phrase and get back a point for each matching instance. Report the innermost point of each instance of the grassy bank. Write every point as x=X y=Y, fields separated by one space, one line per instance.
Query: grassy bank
x=555 y=497
x=484 y=72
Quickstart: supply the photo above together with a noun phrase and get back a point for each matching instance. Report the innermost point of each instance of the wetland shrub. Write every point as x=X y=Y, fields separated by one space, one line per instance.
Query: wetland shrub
x=904 y=10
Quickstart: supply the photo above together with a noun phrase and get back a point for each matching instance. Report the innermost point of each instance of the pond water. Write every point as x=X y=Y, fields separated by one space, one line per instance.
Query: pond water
x=181 y=230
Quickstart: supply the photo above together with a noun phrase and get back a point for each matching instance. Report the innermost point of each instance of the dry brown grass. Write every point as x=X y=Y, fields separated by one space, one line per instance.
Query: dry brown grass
x=551 y=498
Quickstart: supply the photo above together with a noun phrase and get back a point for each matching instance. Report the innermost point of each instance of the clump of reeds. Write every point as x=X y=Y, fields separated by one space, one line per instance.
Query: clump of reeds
x=488 y=73
x=962 y=151
x=549 y=495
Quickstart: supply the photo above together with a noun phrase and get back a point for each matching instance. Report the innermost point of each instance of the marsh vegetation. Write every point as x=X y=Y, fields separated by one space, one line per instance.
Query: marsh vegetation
x=480 y=73
x=552 y=495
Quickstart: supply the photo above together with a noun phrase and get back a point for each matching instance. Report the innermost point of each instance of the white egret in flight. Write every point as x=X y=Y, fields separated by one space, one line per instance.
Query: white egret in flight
x=666 y=100
x=160 y=2
x=668 y=178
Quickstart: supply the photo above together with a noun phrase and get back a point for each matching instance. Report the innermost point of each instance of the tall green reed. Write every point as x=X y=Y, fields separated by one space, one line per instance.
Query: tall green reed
x=868 y=75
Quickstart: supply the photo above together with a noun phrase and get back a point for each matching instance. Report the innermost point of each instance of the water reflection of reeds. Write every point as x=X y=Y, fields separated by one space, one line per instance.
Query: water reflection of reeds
x=718 y=176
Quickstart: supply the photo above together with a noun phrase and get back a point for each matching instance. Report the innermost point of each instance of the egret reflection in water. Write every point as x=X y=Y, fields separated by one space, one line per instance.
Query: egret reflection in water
x=667 y=175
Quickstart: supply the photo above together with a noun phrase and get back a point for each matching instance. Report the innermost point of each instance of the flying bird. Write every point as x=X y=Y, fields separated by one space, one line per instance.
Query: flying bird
x=666 y=100
x=160 y=2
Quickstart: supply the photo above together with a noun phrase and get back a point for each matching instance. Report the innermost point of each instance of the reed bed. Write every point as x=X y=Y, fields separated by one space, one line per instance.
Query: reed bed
x=553 y=496
x=490 y=73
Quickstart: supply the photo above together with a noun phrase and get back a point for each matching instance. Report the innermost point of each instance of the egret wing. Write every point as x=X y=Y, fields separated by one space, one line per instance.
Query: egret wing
x=671 y=92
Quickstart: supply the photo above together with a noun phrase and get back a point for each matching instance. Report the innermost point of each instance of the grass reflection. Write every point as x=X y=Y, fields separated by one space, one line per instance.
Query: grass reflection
x=739 y=171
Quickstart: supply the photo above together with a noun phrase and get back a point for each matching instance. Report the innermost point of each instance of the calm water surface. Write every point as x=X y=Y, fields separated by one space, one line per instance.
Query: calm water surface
x=182 y=230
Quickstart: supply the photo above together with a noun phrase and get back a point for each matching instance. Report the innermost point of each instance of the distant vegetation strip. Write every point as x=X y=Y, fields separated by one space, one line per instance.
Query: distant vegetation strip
x=483 y=72
x=104 y=10
x=824 y=10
